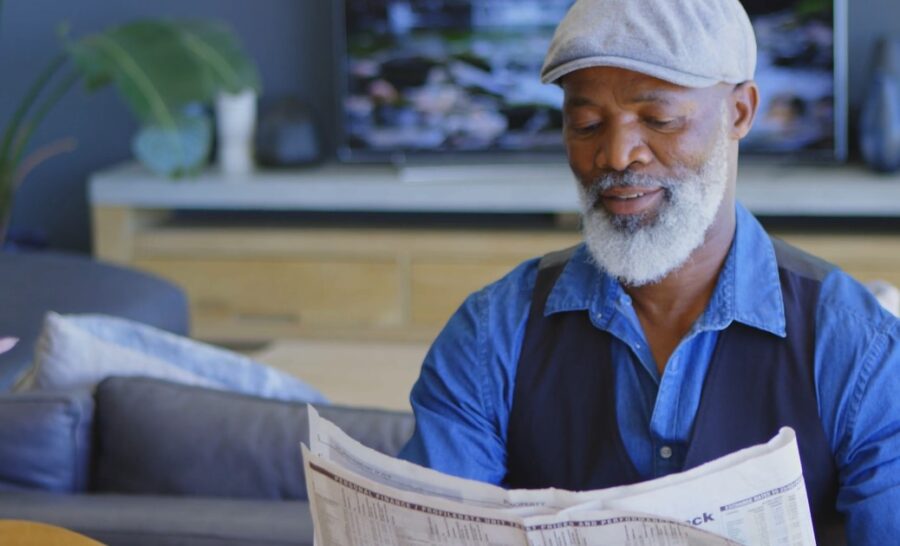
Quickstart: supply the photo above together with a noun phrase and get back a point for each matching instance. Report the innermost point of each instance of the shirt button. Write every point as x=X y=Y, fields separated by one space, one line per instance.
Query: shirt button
x=665 y=452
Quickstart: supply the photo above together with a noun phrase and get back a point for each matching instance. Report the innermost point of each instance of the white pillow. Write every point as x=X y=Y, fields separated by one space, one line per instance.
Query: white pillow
x=79 y=351
x=887 y=295
x=7 y=344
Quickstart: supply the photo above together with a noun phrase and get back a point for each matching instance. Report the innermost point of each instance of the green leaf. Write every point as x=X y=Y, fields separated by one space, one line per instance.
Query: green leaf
x=62 y=30
x=27 y=130
x=31 y=97
x=6 y=195
x=159 y=66
x=221 y=54
x=150 y=68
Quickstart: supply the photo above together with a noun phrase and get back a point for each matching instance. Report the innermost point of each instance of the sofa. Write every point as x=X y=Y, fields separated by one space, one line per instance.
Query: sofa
x=146 y=461
x=37 y=282
x=137 y=460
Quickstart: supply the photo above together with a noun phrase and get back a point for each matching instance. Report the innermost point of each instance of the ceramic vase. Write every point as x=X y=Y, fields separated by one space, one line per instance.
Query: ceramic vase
x=879 y=126
x=235 y=127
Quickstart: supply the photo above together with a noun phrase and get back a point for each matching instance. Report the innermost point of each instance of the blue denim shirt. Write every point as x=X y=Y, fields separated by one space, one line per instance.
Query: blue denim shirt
x=463 y=397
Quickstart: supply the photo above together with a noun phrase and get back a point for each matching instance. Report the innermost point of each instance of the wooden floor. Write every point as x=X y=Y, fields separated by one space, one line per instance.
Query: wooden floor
x=359 y=373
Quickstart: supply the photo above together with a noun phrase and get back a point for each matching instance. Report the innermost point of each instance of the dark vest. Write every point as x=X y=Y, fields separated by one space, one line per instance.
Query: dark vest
x=563 y=431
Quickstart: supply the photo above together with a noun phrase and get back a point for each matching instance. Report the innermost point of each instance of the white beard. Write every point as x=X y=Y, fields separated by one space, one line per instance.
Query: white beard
x=641 y=250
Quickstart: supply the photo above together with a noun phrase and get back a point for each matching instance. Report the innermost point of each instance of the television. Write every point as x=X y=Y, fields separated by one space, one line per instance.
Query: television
x=422 y=79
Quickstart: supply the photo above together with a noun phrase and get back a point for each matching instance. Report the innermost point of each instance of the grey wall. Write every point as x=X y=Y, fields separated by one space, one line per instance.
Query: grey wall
x=290 y=40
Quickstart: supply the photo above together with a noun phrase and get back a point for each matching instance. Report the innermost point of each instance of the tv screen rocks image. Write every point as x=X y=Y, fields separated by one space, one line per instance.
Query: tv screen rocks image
x=424 y=78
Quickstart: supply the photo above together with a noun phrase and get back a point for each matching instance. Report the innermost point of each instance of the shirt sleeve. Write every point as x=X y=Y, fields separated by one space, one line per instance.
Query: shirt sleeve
x=462 y=397
x=858 y=367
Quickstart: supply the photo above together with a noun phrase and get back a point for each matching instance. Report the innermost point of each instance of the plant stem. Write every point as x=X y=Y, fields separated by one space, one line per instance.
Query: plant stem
x=42 y=154
x=30 y=98
x=6 y=192
x=28 y=130
x=9 y=163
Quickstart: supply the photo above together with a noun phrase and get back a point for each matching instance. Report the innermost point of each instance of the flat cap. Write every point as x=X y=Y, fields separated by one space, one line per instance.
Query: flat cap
x=692 y=43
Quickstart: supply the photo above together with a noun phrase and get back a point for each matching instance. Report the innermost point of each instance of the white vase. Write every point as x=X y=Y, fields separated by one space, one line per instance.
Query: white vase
x=235 y=127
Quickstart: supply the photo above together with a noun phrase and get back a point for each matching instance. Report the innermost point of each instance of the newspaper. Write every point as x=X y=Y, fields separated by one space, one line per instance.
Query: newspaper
x=361 y=497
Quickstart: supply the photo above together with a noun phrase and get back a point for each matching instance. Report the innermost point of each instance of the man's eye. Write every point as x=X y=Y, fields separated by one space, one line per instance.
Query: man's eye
x=659 y=123
x=586 y=129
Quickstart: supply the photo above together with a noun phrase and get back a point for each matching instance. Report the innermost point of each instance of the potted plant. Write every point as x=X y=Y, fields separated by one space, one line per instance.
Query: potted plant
x=166 y=71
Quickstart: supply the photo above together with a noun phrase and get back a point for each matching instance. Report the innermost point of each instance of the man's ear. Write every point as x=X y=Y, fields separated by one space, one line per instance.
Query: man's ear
x=744 y=103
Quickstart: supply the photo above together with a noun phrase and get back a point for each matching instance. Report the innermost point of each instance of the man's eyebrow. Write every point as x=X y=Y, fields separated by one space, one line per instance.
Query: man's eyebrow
x=577 y=101
x=647 y=96
x=650 y=96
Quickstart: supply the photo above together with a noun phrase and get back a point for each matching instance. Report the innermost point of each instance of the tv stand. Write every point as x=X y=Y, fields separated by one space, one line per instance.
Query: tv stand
x=365 y=251
x=423 y=173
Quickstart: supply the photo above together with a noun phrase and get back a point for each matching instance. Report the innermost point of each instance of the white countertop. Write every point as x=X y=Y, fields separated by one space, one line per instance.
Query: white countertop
x=777 y=190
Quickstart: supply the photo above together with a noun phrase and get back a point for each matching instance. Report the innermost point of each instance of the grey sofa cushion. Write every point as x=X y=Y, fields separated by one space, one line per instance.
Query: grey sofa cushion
x=156 y=437
x=134 y=520
x=45 y=440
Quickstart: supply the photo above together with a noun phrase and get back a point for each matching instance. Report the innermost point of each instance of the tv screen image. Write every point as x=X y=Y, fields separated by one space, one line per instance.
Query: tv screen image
x=423 y=77
x=796 y=74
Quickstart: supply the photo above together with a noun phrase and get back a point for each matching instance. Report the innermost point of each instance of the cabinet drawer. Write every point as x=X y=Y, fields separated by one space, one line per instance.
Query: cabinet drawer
x=296 y=292
x=439 y=288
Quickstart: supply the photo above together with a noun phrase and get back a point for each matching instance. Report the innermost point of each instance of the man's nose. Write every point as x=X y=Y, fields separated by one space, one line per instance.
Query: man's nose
x=621 y=147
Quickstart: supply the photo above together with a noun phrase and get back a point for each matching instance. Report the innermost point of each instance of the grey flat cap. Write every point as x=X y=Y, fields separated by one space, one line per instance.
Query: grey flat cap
x=692 y=43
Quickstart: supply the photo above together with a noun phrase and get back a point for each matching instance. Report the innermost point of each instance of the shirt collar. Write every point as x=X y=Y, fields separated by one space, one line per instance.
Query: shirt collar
x=748 y=289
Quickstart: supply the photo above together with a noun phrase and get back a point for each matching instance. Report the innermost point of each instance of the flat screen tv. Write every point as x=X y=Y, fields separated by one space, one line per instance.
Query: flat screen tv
x=427 y=78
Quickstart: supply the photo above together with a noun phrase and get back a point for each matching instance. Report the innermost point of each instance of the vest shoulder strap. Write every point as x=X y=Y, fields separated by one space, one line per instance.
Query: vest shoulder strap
x=549 y=269
x=802 y=263
x=557 y=259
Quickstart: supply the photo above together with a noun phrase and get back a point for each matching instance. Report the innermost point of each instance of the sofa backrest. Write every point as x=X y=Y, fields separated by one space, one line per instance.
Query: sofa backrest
x=154 y=437
x=35 y=283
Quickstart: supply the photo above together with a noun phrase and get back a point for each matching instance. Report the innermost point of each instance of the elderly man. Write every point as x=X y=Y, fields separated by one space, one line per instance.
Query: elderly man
x=678 y=332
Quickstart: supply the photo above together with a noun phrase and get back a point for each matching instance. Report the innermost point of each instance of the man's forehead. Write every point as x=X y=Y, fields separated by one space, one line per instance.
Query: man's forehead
x=582 y=86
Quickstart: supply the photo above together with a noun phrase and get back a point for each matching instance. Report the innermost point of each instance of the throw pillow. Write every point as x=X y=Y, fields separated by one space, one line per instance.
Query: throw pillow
x=79 y=351
x=159 y=438
x=45 y=441
x=7 y=343
x=887 y=295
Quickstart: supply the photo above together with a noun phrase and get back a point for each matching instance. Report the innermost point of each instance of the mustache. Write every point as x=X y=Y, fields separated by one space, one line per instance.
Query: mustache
x=625 y=179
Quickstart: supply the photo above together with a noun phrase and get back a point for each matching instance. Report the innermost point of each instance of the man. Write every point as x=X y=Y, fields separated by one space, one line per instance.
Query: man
x=678 y=332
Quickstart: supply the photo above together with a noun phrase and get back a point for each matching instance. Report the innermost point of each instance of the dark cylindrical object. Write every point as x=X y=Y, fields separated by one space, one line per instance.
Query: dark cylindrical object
x=288 y=136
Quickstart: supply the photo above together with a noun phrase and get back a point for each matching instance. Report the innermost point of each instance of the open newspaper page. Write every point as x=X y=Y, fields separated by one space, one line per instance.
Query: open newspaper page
x=351 y=510
x=754 y=496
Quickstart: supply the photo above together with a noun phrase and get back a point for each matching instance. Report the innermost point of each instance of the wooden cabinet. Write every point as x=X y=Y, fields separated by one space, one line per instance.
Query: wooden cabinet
x=287 y=294
x=253 y=285
x=255 y=282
